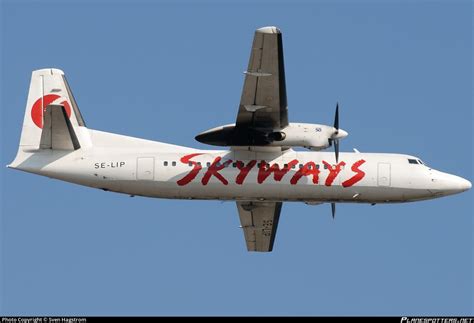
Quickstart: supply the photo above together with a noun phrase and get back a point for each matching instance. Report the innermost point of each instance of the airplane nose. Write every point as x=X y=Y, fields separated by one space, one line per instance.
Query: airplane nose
x=452 y=184
x=465 y=184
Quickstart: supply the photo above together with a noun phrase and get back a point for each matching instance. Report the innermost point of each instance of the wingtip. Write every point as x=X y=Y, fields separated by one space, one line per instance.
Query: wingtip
x=269 y=30
x=48 y=71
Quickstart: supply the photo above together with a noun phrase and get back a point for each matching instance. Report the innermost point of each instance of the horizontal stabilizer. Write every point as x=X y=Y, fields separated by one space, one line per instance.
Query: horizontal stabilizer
x=58 y=132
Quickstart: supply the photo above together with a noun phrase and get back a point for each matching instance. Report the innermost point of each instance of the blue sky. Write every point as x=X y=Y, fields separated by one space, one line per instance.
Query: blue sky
x=402 y=72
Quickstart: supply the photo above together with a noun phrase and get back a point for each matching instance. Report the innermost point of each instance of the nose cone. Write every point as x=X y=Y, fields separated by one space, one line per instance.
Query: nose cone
x=458 y=184
x=340 y=134
x=465 y=184
x=451 y=184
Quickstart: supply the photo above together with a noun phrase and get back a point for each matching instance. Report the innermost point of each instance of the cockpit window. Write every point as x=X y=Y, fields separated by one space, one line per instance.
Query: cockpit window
x=419 y=161
x=412 y=161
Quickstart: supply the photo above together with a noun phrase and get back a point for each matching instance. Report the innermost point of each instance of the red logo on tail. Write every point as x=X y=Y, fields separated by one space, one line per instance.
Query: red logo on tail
x=37 y=114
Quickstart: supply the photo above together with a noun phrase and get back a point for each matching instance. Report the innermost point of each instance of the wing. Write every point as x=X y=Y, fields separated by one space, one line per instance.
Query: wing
x=259 y=220
x=263 y=103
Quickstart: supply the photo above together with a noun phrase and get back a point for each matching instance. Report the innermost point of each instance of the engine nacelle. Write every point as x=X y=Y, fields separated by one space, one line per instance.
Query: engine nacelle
x=307 y=135
x=311 y=136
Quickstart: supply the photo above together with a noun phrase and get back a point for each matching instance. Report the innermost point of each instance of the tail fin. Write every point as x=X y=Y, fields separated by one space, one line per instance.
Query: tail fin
x=47 y=87
x=52 y=118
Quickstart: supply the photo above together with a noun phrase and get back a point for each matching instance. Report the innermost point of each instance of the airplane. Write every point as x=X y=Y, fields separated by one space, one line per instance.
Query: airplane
x=258 y=168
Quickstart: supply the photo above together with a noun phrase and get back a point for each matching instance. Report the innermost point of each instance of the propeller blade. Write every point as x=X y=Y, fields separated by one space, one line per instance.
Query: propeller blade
x=335 y=139
x=333 y=209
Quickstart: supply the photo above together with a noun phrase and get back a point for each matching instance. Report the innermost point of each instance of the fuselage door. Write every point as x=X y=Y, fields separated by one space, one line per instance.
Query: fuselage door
x=383 y=174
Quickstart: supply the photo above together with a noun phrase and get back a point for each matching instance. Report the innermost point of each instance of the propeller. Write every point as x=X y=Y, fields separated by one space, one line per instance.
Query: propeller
x=334 y=136
x=334 y=139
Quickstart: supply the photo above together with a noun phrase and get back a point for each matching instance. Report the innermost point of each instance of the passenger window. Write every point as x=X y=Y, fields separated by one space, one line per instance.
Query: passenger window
x=165 y=163
x=301 y=165
x=190 y=164
x=208 y=164
x=199 y=163
x=294 y=166
x=173 y=163
x=234 y=164
x=285 y=165
x=317 y=166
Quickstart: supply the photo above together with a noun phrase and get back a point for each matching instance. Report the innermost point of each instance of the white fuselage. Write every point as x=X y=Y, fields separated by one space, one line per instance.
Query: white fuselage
x=146 y=168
